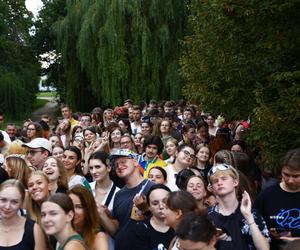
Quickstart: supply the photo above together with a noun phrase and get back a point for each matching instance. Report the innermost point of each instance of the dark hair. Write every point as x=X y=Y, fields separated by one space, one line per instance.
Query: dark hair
x=100 y=155
x=127 y=124
x=183 y=201
x=90 y=128
x=62 y=200
x=155 y=140
x=183 y=146
x=202 y=124
x=163 y=172
x=154 y=187
x=74 y=130
x=182 y=177
x=194 y=176
x=1 y=136
x=292 y=159
x=44 y=125
x=77 y=151
x=240 y=143
x=195 y=227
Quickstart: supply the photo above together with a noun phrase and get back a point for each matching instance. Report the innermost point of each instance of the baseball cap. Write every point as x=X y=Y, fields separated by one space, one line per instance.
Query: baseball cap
x=122 y=153
x=39 y=143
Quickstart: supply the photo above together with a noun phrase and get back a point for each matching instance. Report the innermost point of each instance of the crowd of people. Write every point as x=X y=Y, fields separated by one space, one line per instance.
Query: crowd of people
x=153 y=176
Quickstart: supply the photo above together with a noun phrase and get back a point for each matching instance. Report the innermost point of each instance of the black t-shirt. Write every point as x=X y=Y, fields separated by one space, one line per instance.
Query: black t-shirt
x=147 y=238
x=280 y=209
x=124 y=238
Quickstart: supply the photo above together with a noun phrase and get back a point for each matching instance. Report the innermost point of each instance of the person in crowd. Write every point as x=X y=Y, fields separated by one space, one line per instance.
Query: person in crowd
x=58 y=214
x=33 y=130
x=153 y=147
x=55 y=140
x=241 y=227
x=196 y=232
x=196 y=186
x=182 y=177
x=90 y=135
x=58 y=152
x=108 y=117
x=188 y=115
x=37 y=151
x=185 y=157
x=127 y=142
x=97 y=117
x=72 y=162
x=178 y=204
x=171 y=148
x=188 y=135
x=45 y=128
x=203 y=156
x=152 y=233
x=238 y=146
x=76 y=130
x=115 y=135
x=64 y=132
x=146 y=126
x=86 y=219
x=280 y=204
x=157 y=175
x=11 y=130
x=55 y=170
x=124 y=211
x=17 y=232
x=38 y=190
x=125 y=126
x=138 y=143
x=66 y=113
x=136 y=116
x=202 y=134
x=85 y=120
x=16 y=168
x=212 y=129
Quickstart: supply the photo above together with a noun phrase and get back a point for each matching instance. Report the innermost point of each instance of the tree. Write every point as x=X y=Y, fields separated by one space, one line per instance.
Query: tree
x=19 y=68
x=238 y=60
x=116 y=49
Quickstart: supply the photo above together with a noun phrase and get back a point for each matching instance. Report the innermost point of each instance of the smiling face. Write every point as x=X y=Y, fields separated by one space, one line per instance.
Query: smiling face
x=98 y=170
x=171 y=148
x=196 y=187
x=79 y=215
x=203 y=154
x=89 y=136
x=185 y=157
x=70 y=160
x=51 y=169
x=31 y=131
x=54 y=219
x=156 y=176
x=116 y=136
x=10 y=202
x=151 y=151
x=58 y=153
x=125 y=167
x=146 y=129
x=38 y=188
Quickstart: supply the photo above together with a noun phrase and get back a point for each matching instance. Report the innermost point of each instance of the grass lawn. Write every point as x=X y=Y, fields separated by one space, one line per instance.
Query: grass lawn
x=39 y=103
x=47 y=94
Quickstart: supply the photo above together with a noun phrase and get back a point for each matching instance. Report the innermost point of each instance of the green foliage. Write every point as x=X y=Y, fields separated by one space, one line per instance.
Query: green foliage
x=18 y=66
x=118 y=49
x=243 y=58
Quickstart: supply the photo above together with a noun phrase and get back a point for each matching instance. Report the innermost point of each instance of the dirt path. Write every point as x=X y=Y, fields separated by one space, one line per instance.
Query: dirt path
x=49 y=109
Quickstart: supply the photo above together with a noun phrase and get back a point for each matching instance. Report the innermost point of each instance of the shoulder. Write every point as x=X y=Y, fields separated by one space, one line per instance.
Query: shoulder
x=75 y=245
x=101 y=239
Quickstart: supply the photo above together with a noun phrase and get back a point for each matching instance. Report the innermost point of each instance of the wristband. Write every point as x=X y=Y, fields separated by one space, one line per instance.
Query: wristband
x=253 y=222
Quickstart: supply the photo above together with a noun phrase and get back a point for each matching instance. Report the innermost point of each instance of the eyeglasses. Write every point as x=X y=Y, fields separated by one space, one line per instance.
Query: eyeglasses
x=31 y=129
x=221 y=167
x=188 y=154
x=125 y=142
x=33 y=152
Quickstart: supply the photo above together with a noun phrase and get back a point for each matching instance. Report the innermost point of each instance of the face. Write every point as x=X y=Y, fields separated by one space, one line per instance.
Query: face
x=203 y=154
x=66 y=113
x=58 y=153
x=171 y=148
x=89 y=136
x=223 y=184
x=65 y=124
x=187 y=115
x=10 y=202
x=136 y=115
x=126 y=143
x=236 y=148
x=38 y=188
x=291 y=178
x=191 y=134
x=192 y=245
x=165 y=127
x=138 y=139
x=151 y=151
x=196 y=187
x=85 y=121
x=31 y=131
x=157 y=203
x=54 y=219
x=98 y=170
x=156 y=176
x=79 y=214
x=36 y=156
x=70 y=160
x=202 y=132
x=51 y=169
x=116 y=136
x=78 y=142
x=109 y=115
x=122 y=125
x=11 y=131
x=54 y=140
x=186 y=157
x=125 y=166
x=210 y=121
x=170 y=217
x=146 y=129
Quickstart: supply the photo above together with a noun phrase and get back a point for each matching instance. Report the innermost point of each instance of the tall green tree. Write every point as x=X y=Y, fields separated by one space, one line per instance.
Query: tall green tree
x=243 y=58
x=19 y=68
x=118 y=49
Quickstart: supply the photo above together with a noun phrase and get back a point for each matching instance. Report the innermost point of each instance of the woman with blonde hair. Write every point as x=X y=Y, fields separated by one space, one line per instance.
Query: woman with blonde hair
x=86 y=219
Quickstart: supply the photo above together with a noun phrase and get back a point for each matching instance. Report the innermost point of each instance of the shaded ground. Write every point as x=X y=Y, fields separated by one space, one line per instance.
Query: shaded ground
x=49 y=109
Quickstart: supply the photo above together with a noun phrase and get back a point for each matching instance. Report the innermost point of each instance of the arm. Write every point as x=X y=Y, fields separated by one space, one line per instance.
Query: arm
x=39 y=238
x=101 y=242
x=109 y=224
x=259 y=240
x=74 y=245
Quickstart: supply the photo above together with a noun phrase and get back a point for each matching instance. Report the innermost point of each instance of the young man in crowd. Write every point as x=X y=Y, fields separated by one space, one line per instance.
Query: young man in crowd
x=280 y=204
x=11 y=130
x=66 y=112
x=136 y=125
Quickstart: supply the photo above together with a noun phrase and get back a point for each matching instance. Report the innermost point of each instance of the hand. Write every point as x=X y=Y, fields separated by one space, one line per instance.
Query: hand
x=289 y=238
x=140 y=202
x=246 y=207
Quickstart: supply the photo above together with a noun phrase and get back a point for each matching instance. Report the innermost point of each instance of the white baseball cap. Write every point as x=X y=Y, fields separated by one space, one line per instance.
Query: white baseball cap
x=39 y=143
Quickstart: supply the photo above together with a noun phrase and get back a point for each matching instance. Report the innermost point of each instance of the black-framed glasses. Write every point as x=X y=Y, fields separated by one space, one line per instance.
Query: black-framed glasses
x=33 y=152
x=188 y=154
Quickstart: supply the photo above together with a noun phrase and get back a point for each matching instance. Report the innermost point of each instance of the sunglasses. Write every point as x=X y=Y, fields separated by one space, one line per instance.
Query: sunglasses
x=221 y=167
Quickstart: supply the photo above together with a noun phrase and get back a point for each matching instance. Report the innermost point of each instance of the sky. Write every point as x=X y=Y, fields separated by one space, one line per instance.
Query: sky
x=33 y=5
